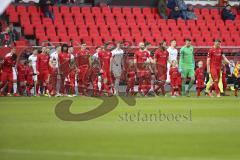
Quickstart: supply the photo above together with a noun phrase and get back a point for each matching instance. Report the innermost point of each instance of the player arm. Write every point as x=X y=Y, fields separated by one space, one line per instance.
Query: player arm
x=208 y=65
x=225 y=59
x=135 y=62
x=111 y=61
x=193 y=60
x=37 y=65
x=122 y=62
x=181 y=59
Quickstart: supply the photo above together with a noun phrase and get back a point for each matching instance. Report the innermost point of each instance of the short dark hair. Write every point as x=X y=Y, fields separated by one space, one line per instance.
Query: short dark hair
x=147 y=43
x=217 y=40
x=188 y=39
x=161 y=42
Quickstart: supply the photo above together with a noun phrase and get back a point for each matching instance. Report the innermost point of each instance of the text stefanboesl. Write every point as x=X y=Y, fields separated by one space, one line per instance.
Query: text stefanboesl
x=158 y=116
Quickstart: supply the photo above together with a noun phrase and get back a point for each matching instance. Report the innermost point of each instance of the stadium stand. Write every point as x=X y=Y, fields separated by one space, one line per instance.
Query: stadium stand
x=96 y=25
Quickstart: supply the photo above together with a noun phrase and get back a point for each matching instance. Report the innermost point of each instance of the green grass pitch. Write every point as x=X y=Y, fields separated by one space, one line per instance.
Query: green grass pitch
x=30 y=130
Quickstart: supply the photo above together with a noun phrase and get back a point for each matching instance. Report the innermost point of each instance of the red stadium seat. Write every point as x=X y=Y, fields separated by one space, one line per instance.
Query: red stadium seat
x=53 y=38
x=21 y=9
x=85 y=10
x=64 y=10
x=197 y=11
x=65 y=39
x=96 y=11
x=47 y=22
x=42 y=39
x=86 y=39
x=147 y=11
x=214 y=12
x=10 y=9
x=137 y=11
x=25 y=21
x=79 y=21
x=116 y=10
x=75 y=10
x=13 y=17
x=55 y=10
x=28 y=30
x=117 y=38
x=205 y=11
x=106 y=10
x=100 y=20
x=126 y=11
x=50 y=31
x=97 y=41
x=61 y=31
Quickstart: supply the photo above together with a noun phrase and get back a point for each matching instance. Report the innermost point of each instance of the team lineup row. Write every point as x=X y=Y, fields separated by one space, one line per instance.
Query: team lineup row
x=65 y=72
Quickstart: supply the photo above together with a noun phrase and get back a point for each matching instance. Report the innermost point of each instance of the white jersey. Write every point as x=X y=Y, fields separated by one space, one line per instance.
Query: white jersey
x=173 y=53
x=95 y=56
x=54 y=55
x=33 y=59
x=117 y=55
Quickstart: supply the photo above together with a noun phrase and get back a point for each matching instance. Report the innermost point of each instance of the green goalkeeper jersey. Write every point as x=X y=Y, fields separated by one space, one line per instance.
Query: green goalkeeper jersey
x=186 y=58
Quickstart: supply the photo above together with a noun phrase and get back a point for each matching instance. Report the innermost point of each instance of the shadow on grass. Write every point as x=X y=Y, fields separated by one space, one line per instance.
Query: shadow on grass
x=62 y=109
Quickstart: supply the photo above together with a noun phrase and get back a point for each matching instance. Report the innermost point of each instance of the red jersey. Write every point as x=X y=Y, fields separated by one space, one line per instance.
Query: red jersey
x=141 y=57
x=105 y=57
x=64 y=58
x=64 y=61
x=22 y=72
x=199 y=73
x=161 y=57
x=173 y=73
x=30 y=74
x=42 y=62
x=21 y=68
x=8 y=63
x=215 y=55
x=131 y=74
x=72 y=76
x=82 y=58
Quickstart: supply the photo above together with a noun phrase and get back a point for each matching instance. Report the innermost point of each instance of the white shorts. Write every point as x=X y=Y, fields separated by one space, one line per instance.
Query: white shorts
x=14 y=73
x=116 y=70
x=35 y=78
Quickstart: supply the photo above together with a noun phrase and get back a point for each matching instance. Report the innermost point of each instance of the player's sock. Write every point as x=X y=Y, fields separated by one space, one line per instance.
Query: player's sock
x=216 y=87
x=173 y=90
x=198 y=91
x=116 y=85
x=1 y=86
x=190 y=85
x=156 y=88
x=162 y=88
x=28 y=88
x=183 y=88
x=128 y=89
x=179 y=90
x=37 y=88
x=44 y=89
x=236 y=92
x=14 y=87
x=10 y=86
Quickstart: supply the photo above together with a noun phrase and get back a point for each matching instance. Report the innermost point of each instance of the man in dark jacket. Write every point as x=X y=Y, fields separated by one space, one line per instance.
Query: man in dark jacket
x=162 y=9
x=176 y=13
x=227 y=14
x=44 y=5
x=171 y=4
